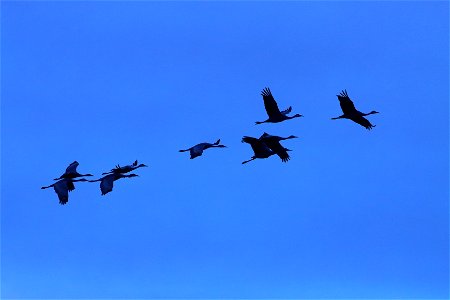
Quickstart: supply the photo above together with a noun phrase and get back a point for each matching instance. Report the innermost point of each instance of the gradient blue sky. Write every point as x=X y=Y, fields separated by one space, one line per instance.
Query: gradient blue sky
x=355 y=213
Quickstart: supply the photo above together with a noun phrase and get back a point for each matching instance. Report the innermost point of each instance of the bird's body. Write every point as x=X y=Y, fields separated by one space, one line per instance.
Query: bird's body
x=71 y=172
x=125 y=169
x=198 y=149
x=273 y=142
x=273 y=112
x=63 y=187
x=107 y=182
x=260 y=149
x=351 y=113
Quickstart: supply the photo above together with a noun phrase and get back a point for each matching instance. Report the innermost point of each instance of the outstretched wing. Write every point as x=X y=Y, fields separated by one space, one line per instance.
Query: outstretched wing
x=347 y=105
x=106 y=185
x=70 y=185
x=269 y=103
x=62 y=191
x=363 y=122
x=286 y=111
x=72 y=168
x=276 y=147
x=257 y=145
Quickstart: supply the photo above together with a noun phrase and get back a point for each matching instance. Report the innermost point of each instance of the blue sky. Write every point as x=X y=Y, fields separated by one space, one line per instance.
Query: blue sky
x=353 y=214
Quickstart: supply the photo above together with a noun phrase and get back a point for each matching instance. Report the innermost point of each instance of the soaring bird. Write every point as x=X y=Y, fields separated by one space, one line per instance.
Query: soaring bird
x=274 y=113
x=71 y=172
x=198 y=149
x=63 y=187
x=350 y=112
x=107 y=182
x=125 y=169
x=260 y=149
x=273 y=142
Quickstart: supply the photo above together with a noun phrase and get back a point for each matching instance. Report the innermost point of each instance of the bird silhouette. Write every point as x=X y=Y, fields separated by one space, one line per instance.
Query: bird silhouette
x=63 y=187
x=274 y=113
x=260 y=149
x=107 y=182
x=71 y=172
x=273 y=142
x=125 y=169
x=198 y=149
x=351 y=113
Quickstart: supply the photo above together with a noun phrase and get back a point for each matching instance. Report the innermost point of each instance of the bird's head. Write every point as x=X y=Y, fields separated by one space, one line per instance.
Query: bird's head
x=292 y=137
x=133 y=175
x=221 y=146
x=142 y=165
x=297 y=116
x=373 y=112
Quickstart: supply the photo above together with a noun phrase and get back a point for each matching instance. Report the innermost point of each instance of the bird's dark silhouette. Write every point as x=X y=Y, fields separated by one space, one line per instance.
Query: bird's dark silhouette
x=125 y=169
x=273 y=142
x=63 y=187
x=351 y=113
x=260 y=149
x=107 y=182
x=274 y=113
x=198 y=149
x=71 y=172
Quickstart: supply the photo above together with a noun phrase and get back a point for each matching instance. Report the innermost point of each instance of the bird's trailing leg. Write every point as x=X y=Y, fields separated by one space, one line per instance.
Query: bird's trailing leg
x=244 y=162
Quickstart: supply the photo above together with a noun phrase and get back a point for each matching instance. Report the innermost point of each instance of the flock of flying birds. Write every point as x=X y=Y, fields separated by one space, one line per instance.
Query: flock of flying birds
x=263 y=147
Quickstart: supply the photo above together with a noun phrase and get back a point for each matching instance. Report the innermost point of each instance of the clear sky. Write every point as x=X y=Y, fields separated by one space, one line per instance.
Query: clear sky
x=353 y=214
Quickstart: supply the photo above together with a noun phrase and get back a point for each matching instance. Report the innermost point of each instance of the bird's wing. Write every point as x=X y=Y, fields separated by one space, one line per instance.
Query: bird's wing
x=106 y=185
x=363 y=122
x=276 y=147
x=346 y=104
x=257 y=145
x=124 y=169
x=70 y=185
x=269 y=103
x=197 y=150
x=286 y=111
x=72 y=168
x=62 y=191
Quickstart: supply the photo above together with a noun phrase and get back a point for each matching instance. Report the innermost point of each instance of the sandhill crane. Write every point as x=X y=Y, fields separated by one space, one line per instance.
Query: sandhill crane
x=273 y=142
x=63 y=187
x=260 y=149
x=350 y=112
x=198 y=149
x=274 y=113
x=125 y=169
x=71 y=172
x=107 y=182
